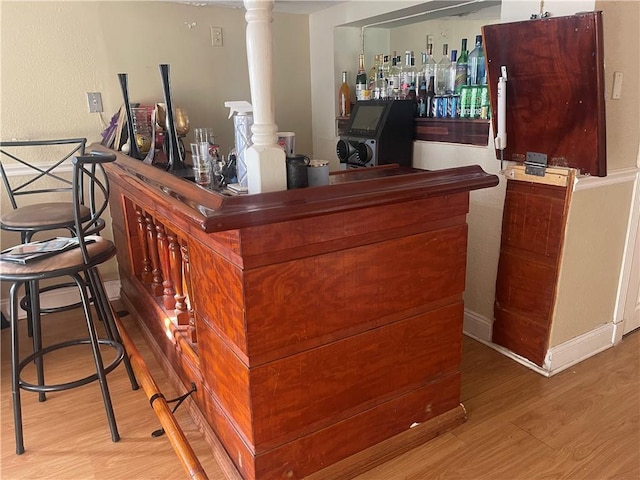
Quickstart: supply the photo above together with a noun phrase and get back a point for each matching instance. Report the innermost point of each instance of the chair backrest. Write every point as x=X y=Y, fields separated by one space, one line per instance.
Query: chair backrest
x=90 y=181
x=43 y=166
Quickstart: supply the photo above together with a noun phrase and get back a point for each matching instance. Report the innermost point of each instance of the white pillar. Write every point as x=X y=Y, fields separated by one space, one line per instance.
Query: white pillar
x=266 y=169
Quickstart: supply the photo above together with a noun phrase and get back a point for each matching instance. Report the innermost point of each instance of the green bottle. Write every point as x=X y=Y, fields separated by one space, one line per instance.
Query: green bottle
x=461 y=68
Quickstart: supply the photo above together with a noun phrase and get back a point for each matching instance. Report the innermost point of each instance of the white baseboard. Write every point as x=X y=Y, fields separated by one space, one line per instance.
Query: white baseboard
x=477 y=326
x=558 y=358
x=580 y=348
x=63 y=296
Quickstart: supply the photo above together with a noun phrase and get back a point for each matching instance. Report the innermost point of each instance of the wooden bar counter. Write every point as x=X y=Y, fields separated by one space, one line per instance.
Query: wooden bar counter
x=321 y=327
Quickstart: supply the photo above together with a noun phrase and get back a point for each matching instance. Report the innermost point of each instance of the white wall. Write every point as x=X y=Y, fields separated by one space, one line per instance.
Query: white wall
x=53 y=52
x=485 y=217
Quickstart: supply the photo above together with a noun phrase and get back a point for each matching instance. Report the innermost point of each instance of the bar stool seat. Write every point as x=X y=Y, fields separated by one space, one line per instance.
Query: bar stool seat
x=42 y=216
x=81 y=265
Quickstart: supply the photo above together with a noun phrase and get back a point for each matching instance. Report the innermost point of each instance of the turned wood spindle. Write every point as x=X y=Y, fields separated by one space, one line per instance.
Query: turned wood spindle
x=145 y=275
x=156 y=272
x=168 y=292
x=175 y=262
x=187 y=281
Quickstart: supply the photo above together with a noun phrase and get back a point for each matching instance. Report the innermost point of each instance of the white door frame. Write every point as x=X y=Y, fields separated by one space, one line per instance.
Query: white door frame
x=628 y=301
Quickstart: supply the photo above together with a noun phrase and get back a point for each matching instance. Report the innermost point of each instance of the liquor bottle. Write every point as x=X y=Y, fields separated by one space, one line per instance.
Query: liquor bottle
x=386 y=66
x=431 y=96
x=430 y=64
x=451 y=76
x=413 y=94
x=442 y=71
x=344 y=98
x=373 y=73
x=362 y=83
x=461 y=68
x=476 y=73
x=407 y=76
x=393 y=81
x=380 y=89
x=422 y=88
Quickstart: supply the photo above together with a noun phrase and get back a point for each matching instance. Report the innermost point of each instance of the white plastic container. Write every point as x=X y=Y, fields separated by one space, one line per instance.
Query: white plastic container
x=242 y=113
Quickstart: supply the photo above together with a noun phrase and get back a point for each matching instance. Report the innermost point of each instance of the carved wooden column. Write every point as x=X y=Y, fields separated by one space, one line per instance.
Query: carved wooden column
x=266 y=170
x=145 y=275
x=175 y=261
x=167 y=283
x=156 y=272
x=186 y=269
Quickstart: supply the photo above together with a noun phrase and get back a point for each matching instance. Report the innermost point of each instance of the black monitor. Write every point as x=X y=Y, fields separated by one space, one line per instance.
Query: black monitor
x=366 y=119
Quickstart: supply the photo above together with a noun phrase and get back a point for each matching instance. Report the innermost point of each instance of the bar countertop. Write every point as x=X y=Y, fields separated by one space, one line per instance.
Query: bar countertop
x=350 y=189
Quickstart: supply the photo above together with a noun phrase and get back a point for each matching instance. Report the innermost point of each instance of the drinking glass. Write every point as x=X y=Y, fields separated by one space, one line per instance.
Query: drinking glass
x=203 y=134
x=201 y=163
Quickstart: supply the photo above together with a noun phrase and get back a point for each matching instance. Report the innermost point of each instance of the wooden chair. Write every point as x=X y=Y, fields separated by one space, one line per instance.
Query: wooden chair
x=81 y=265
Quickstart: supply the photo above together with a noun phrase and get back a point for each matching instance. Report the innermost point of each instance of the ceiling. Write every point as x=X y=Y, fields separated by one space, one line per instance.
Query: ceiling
x=283 y=6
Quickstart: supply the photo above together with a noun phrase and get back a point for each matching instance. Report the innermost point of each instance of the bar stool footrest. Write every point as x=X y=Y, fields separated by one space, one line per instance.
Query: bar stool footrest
x=76 y=383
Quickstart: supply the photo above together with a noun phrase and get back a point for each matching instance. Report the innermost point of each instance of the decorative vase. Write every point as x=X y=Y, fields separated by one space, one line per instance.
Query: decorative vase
x=174 y=155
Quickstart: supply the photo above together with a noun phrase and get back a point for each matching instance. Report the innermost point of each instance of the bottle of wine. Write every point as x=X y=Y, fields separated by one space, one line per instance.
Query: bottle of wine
x=451 y=76
x=476 y=73
x=442 y=71
x=461 y=68
x=344 y=98
x=362 y=83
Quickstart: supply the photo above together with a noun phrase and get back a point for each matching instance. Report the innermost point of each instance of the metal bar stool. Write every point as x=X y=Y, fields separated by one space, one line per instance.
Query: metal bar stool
x=81 y=265
x=41 y=168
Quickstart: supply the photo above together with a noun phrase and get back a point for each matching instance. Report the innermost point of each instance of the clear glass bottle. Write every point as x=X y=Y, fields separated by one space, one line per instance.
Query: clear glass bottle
x=393 y=81
x=344 y=97
x=407 y=76
x=373 y=72
x=380 y=89
x=451 y=77
x=386 y=66
x=476 y=73
x=362 y=83
x=430 y=69
x=442 y=71
x=461 y=68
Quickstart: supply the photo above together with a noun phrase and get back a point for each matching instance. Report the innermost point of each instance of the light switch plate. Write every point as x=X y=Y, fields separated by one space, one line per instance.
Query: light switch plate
x=616 y=91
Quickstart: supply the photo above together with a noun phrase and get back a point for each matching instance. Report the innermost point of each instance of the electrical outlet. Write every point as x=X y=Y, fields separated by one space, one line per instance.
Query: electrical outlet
x=216 y=36
x=95 y=102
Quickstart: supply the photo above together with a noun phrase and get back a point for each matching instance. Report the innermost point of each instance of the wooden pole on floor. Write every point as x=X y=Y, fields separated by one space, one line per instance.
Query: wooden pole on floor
x=176 y=436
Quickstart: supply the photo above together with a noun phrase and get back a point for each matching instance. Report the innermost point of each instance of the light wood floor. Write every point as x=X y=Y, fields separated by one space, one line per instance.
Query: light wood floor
x=581 y=424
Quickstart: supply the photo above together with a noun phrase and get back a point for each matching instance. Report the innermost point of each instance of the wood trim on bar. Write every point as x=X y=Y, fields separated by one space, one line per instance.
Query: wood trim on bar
x=349 y=190
x=466 y=131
